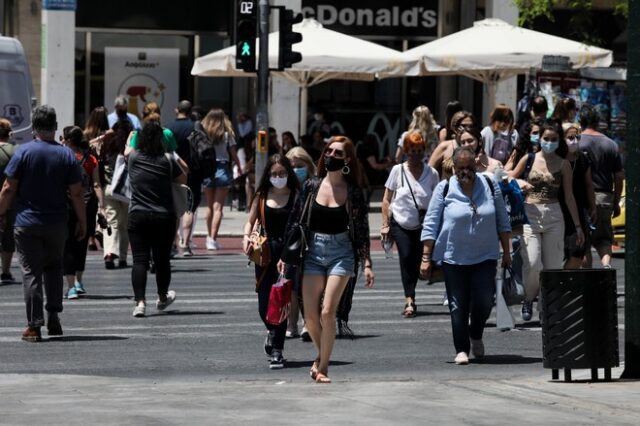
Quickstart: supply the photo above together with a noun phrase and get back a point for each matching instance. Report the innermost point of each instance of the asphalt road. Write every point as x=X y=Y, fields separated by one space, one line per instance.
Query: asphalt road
x=213 y=331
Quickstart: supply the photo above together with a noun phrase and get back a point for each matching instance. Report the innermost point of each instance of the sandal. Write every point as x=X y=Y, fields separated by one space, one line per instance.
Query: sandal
x=409 y=310
x=322 y=378
x=313 y=372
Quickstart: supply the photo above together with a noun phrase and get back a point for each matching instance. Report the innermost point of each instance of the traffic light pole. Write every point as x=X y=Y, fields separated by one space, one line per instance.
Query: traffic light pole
x=632 y=205
x=262 y=116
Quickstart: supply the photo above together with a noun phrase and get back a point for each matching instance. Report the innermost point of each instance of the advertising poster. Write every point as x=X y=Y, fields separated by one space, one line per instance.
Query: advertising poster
x=143 y=75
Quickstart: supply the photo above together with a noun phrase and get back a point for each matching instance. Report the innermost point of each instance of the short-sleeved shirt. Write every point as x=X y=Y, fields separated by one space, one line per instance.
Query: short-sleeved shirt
x=150 y=178
x=488 y=136
x=89 y=164
x=222 y=148
x=135 y=121
x=6 y=152
x=403 y=208
x=181 y=129
x=169 y=142
x=44 y=170
x=605 y=159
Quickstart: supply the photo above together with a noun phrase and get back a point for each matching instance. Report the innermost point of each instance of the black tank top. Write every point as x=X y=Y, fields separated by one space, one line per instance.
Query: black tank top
x=276 y=218
x=328 y=220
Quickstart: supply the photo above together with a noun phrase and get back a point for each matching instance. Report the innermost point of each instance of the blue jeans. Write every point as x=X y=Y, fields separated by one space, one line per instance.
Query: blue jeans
x=470 y=290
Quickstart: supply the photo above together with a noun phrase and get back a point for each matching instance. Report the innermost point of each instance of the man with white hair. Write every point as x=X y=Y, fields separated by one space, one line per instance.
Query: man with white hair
x=120 y=113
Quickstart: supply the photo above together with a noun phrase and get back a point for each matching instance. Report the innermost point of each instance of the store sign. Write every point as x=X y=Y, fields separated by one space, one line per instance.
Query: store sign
x=407 y=18
x=143 y=75
x=59 y=4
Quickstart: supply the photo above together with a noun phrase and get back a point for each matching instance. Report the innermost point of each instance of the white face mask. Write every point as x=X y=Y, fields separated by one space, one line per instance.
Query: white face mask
x=278 y=182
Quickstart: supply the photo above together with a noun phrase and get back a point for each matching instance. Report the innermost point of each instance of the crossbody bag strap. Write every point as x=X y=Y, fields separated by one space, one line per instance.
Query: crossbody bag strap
x=415 y=203
x=261 y=219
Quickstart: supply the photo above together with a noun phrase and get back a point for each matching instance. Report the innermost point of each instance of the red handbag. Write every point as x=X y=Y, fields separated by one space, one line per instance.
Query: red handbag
x=279 y=301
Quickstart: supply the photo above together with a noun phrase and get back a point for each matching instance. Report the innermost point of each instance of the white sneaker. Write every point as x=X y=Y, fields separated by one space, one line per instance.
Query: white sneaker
x=212 y=244
x=171 y=297
x=139 y=310
x=461 y=359
x=477 y=348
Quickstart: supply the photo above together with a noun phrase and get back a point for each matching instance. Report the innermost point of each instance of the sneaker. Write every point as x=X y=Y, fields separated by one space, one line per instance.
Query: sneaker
x=305 y=336
x=268 y=344
x=7 y=278
x=445 y=300
x=139 y=310
x=291 y=334
x=32 y=334
x=171 y=297
x=527 y=311
x=461 y=359
x=477 y=348
x=606 y=266
x=211 y=244
x=53 y=325
x=122 y=264
x=277 y=361
x=79 y=288
x=186 y=252
x=72 y=293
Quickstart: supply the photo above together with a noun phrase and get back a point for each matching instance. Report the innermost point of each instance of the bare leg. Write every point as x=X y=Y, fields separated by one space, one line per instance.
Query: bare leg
x=292 y=325
x=187 y=222
x=218 y=203
x=312 y=289
x=209 y=194
x=333 y=292
x=79 y=276
x=573 y=263
x=605 y=255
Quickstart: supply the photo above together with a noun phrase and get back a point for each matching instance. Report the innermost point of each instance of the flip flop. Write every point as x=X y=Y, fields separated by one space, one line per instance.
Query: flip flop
x=314 y=369
x=322 y=378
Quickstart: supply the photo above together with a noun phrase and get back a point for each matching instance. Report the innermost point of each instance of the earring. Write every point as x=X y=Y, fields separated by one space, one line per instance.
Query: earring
x=346 y=170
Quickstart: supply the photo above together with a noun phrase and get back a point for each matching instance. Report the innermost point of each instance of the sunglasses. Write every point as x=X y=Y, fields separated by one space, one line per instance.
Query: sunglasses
x=334 y=152
x=280 y=174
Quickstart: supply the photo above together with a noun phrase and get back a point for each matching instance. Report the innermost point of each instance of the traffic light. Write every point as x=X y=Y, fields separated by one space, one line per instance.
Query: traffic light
x=288 y=37
x=246 y=32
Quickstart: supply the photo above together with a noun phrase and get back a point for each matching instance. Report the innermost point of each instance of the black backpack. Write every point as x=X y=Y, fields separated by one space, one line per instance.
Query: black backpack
x=201 y=157
x=502 y=147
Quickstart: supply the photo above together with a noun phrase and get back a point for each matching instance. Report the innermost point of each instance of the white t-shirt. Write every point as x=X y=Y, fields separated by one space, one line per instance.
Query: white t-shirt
x=403 y=208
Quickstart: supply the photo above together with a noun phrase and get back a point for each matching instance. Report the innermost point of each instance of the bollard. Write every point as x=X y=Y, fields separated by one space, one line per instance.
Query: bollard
x=579 y=321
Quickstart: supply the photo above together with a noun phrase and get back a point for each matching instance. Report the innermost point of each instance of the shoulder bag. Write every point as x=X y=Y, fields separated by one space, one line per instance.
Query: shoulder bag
x=296 y=245
x=259 y=251
x=120 y=188
x=182 y=196
x=421 y=212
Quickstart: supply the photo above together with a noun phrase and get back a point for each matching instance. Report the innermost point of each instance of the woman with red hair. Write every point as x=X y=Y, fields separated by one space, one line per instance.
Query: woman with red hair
x=405 y=202
x=338 y=241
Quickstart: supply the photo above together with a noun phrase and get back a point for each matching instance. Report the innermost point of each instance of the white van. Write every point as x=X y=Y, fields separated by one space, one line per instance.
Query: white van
x=16 y=89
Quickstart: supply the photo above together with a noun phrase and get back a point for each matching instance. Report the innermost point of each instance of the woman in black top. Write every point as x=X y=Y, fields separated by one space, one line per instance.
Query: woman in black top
x=271 y=207
x=338 y=240
x=152 y=216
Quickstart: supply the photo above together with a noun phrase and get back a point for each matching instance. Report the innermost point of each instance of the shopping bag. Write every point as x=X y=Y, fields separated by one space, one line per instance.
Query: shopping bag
x=279 y=301
x=512 y=287
x=120 y=188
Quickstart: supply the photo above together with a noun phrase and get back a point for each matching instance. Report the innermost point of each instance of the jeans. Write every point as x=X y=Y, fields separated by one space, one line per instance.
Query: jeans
x=264 y=290
x=40 y=251
x=543 y=240
x=470 y=290
x=409 y=252
x=149 y=233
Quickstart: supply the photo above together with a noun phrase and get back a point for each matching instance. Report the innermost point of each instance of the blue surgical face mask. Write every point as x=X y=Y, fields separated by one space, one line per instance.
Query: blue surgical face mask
x=535 y=139
x=301 y=173
x=549 y=147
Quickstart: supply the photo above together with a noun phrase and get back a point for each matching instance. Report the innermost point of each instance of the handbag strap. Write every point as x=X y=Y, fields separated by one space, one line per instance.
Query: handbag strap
x=415 y=203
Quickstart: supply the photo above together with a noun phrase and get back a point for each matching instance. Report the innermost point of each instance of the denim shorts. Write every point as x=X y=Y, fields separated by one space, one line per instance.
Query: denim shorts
x=223 y=177
x=329 y=255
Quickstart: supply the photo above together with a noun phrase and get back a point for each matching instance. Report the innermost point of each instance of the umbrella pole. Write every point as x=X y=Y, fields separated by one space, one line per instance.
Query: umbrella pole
x=304 y=104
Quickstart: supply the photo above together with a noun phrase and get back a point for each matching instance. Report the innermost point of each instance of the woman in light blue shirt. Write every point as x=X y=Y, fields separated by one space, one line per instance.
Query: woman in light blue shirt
x=465 y=225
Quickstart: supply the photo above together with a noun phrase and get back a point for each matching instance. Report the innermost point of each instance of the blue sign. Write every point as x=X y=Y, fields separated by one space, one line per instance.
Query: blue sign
x=60 y=4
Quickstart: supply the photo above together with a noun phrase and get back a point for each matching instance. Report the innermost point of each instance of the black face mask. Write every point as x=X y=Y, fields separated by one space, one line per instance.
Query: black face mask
x=333 y=164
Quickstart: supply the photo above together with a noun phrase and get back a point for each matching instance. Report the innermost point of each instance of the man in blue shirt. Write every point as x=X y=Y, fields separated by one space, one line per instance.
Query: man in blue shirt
x=120 y=111
x=38 y=176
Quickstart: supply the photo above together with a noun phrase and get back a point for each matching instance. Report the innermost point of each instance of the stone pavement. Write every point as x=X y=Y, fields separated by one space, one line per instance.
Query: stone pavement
x=82 y=400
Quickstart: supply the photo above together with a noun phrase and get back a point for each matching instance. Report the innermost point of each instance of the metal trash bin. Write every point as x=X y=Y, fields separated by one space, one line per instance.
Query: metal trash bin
x=579 y=321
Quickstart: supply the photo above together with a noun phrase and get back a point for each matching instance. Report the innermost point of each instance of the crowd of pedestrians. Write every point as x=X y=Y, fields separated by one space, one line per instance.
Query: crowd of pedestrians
x=443 y=207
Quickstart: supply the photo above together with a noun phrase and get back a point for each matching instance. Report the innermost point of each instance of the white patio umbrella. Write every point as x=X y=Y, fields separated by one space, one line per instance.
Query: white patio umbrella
x=326 y=55
x=493 y=50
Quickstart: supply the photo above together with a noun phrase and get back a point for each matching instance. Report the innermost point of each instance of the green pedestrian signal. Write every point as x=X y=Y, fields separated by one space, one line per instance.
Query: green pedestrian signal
x=246 y=49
